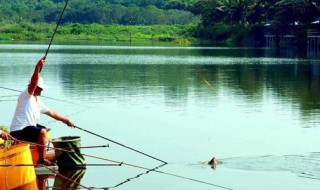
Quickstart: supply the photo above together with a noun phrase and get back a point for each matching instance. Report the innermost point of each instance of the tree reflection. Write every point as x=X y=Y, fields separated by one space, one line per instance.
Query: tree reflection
x=295 y=81
x=64 y=179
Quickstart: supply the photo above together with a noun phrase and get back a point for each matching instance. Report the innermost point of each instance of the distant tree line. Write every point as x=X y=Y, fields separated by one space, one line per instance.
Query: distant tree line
x=237 y=22
x=240 y=20
x=125 y=12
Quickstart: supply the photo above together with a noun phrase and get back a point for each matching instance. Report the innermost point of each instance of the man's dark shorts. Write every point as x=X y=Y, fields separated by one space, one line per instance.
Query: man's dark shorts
x=29 y=134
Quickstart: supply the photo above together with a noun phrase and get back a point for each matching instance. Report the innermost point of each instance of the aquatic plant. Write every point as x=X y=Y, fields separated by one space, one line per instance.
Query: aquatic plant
x=5 y=143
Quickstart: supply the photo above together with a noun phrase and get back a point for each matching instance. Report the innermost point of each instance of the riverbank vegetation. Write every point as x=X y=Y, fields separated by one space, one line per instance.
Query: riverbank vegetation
x=246 y=21
x=231 y=22
x=179 y=34
x=98 y=20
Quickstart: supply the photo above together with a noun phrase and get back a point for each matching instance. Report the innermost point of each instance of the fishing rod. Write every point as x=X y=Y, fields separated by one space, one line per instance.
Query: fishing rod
x=74 y=165
x=158 y=171
x=120 y=144
x=137 y=176
x=82 y=147
x=63 y=150
x=118 y=163
x=68 y=149
x=55 y=30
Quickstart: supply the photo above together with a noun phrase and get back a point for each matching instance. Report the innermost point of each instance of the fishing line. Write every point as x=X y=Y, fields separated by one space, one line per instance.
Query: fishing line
x=117 y=163
x=9 y=100
x=10 y=89
x=8 y=96
x=120 y=144
x=157 y=171
x=129 y=179
x=139 y=175
x=64 y=101
x=76 y=113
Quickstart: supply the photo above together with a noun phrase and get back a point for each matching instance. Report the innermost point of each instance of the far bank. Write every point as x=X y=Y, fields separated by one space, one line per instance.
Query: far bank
x=179 y=34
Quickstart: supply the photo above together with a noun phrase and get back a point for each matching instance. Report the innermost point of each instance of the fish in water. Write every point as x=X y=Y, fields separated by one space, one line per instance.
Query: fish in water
x=213 y=163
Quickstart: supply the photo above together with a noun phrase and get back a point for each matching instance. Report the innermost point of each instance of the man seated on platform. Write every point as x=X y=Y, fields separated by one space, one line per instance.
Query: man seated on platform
x=24 y=124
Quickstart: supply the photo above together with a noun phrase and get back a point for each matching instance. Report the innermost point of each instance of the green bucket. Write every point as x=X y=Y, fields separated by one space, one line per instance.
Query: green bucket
x=71 y=158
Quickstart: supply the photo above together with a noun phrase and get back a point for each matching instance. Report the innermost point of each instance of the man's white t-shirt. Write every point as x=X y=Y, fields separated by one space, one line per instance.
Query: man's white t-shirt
x=27 y=112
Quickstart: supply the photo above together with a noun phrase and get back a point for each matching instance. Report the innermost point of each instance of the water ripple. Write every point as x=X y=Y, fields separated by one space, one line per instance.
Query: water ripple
x=302 y=165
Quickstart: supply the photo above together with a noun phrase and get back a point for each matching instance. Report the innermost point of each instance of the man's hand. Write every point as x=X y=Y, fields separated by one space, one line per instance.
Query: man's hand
x=6 y=136
x=69 y=123
x=41 y=63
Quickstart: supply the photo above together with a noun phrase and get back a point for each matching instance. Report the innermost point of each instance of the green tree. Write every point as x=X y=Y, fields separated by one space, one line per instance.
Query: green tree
x=209 y=10
x=294 y=17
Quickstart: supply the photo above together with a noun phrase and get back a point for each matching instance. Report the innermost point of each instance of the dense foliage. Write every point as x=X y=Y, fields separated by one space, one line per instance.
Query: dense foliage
x=126 y=12
x=228 y=21
x=240 y=20
x=75 y=32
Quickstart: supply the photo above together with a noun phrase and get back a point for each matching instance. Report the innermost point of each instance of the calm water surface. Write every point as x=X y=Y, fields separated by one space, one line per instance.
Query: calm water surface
x=255 y=110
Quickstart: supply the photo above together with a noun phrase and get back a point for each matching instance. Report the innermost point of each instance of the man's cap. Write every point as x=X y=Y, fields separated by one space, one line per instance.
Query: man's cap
x=41 y=84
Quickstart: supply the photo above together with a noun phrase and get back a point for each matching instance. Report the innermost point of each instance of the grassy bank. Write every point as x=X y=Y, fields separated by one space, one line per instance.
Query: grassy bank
x=180 y=34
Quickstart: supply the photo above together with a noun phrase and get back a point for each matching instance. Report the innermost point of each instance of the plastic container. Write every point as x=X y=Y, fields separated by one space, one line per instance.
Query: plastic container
x=13 y=176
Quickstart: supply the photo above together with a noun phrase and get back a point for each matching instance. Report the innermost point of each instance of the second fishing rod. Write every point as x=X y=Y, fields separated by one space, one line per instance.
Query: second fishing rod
x=120 y=144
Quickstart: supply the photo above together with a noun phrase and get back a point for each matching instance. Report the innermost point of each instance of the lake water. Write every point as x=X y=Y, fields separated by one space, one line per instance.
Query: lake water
x=255 y=110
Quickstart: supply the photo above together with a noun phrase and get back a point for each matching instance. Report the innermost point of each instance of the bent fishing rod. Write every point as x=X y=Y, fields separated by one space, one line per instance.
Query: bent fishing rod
x=54 y=32
x=118 y=163
x=137 y=176
x=135 y=150
x=158 y=171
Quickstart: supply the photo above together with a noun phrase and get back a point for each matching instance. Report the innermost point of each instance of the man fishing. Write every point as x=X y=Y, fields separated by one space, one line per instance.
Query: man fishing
x=27 y=114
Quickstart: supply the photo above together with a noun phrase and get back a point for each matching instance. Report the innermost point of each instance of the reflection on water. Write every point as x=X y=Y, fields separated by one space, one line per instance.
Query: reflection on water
x=63 y=180
x=138 y=176
x=69 y=179
x=183 y=104
x=297 y=84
